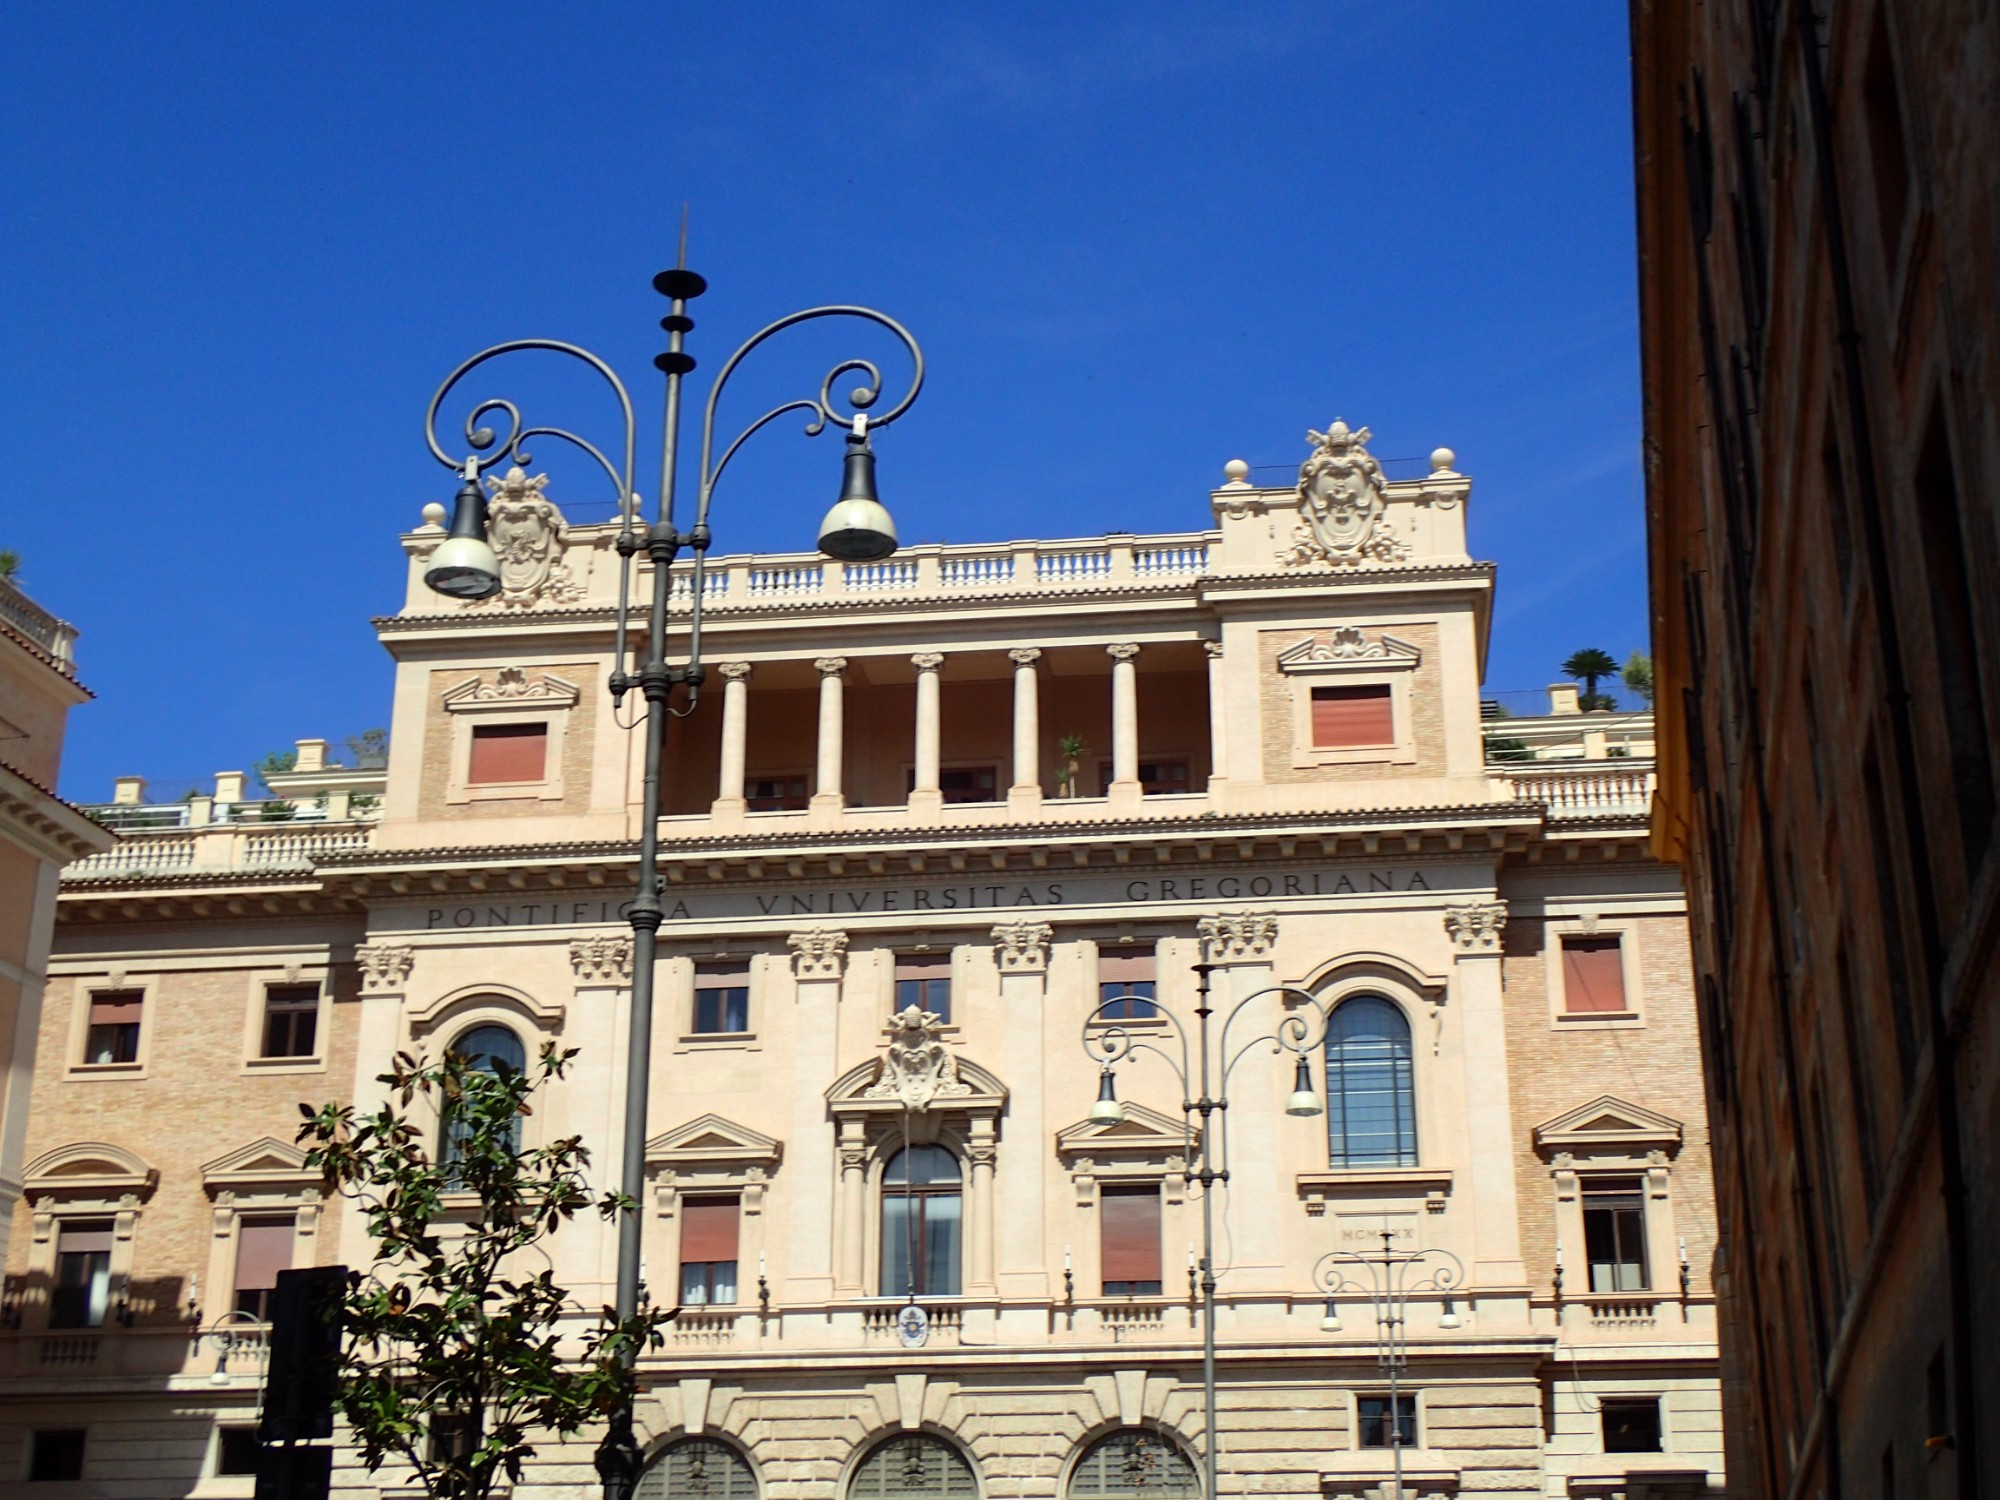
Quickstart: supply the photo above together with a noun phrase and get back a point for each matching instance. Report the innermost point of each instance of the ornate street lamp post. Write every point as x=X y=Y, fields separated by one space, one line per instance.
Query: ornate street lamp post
x=1109 y=1045
x=1388 y=1279
x=465 y=566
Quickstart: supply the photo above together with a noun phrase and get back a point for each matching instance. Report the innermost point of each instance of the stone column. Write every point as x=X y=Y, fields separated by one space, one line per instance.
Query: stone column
x=1489 y=1115
x=601 y=966
x=1239 y=944
x=819 y=955
x=1125 y=725
x=924 y=795
x=1025 y=795
x=980 y=1152
x=828 y=794
x=735 y=727
x=850 y=1275
x=385 y=977
x=1021 y=950
x=1218 y=715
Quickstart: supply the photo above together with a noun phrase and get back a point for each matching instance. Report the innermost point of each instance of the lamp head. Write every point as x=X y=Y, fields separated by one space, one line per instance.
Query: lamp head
x=1107 y=1110
x=1330 y=1320
x=859 y=527
x=464 y=565
x=1304 y=1101
x=1449 y=1317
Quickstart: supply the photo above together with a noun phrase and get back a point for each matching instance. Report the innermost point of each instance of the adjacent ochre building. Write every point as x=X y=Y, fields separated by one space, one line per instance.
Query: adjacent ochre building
x=929 y=814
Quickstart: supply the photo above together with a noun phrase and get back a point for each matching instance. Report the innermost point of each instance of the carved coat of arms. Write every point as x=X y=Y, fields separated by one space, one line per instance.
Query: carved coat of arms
x=917 y=1068
x=527 y=533
x=1342 y=500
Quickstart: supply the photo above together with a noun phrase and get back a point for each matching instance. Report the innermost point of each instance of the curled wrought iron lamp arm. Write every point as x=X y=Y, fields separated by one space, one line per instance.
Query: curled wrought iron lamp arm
x=481 y=439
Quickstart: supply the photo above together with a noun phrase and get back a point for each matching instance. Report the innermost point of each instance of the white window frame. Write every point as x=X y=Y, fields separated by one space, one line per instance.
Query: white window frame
x=1349 y=658
x=1589 y=924
x=260 y=981
x=88 y=987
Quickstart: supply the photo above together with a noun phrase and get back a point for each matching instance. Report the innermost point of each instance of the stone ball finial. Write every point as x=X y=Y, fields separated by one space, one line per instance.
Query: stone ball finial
x=1442 y=459
x=434 y=514
x=1236 y=471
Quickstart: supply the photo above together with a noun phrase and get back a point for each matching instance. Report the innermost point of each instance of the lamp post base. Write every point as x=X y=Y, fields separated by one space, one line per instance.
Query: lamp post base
x=618 y=1459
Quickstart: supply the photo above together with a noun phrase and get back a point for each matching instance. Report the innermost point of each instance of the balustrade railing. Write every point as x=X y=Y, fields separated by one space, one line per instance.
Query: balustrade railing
x=25 y=617
x=980 y=570
x=879 y=1325
x=1573 y=793
x=224 y=846
x=896 y=573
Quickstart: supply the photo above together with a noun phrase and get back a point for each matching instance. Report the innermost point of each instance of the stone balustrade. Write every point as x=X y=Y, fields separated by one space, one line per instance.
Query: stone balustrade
x=1571 y=794
x=170 y=850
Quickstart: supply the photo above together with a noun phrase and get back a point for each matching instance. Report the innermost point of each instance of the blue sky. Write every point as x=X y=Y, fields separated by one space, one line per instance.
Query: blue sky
x=243 y=242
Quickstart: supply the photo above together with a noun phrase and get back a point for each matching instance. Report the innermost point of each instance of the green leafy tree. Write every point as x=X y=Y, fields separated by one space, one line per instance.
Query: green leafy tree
x=370 y=748
x=1637 y=676
x=454 y=1351
x=274 y=763
x=10 y=565
x=1588 y=666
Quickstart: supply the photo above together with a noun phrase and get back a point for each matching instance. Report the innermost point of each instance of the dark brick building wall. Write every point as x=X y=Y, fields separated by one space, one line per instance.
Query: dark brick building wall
x=1819 y=190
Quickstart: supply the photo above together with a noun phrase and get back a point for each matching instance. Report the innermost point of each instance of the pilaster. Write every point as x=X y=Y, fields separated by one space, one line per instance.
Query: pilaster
x=1476 y=931
x=1240 y=945
x=1021 y=952
x=819 y=958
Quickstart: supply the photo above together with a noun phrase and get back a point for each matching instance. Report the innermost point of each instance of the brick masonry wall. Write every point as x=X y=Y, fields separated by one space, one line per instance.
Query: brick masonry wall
x=579 y=738
x=1426 y=700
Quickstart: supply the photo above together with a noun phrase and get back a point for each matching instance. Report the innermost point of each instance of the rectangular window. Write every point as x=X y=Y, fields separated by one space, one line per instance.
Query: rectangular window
x=236 y=1451
x=721 y=999
x=508 y=752
x=1128 y=1226
x=263 y=1249
x=969 y=784
x=1375 y=1432
x=1593 y=975
x=82 y=1292
x=1349 y=717
x=924 y=980
x=1614 y=1234
x=775 y=793
x=114 y=1027
x=1156 y=777
x=1127 y=986
x=56 y=1453
x=291 y=1020
x=1631 y=1426
x=708 y=1251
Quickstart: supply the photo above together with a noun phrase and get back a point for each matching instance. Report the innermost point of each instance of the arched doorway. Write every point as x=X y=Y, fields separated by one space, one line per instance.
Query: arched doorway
x=698 y=1469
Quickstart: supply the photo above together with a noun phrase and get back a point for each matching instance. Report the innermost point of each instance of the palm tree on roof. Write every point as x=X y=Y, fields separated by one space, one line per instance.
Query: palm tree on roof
x=1588 y=666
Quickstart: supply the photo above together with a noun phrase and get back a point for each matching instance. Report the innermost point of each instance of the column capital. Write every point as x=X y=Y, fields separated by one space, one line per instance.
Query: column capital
x=1025 y=656
x=601 y=960
x=1476 y=928
x=927 y=661
x=1022 y=947
x=1238 y=937
x=734 y=671
x=1125 y=651
x=384 y=966
x=818 y=952
x=1213 y=648
x=830 y=666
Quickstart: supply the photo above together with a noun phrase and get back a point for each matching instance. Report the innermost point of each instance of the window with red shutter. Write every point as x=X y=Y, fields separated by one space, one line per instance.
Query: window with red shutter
x=1128 y=1224
x=708 y=1250
x=263 y=1249
x=1352 y=717
x=508 y=752
x=1593 y=975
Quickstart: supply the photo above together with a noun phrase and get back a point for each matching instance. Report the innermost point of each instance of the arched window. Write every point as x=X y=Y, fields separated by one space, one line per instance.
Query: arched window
x=1133 y=1464
x=490 y=1049
x=914 y=1467
x=922 y=1210
x=1371 y=1117
x=698 y=1469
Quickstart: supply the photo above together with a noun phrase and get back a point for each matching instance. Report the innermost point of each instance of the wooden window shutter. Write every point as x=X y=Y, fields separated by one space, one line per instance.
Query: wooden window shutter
x=90 y=1237
x=1353 y=716
x=1593 y=974
x=923 y=966
x=1126 y=966
x=119 y=1008
x=263 y=1249
x=1129 y=1233
x=708 y=1229
x=509 y=752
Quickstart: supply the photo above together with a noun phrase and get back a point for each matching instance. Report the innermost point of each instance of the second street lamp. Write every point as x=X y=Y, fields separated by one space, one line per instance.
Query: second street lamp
x=1110 y=1044
x=464 y=566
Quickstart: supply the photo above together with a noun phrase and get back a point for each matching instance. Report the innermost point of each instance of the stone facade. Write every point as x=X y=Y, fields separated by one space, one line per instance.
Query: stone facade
x=1819 y=191
x=891 y=913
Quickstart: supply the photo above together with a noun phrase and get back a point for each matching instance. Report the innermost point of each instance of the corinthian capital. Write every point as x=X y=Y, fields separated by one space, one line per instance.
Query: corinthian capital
x=818 y=953
x=384 y=966
x=1477 y=928
x=927 y=661
x=1022 y=947
x=830 y=666
x=604 y=959
x=734 y=671
x=1123 y=652
x=1237 y=937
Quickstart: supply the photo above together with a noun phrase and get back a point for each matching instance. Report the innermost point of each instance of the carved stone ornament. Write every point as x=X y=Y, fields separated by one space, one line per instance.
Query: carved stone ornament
x=527 y=533
x=512 y=685
x=830 y=666
x=917 y=1068
x=601 y=959
x=1343 y=500
x=384 y=966
x=1348 y=643
x=818 y=953
x=1022 y=947
x=1476 y=929
x=1238 y=936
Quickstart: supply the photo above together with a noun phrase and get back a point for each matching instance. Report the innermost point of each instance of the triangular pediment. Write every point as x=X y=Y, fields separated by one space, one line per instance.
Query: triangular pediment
x=265 y=1162
x=1609 y=1125
x=1143 y=1132
x=1347 y=646
x=711 y=1138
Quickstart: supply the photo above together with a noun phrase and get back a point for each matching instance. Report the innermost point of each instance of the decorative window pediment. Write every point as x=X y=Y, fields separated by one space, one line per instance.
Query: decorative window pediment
x=511 y=689
x=712 y=1142
x=1608 y=1126
x=1143 y=1135
x=1348 y=648
x=264 y=1166
x=90 y=1170
x=917 y=1071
